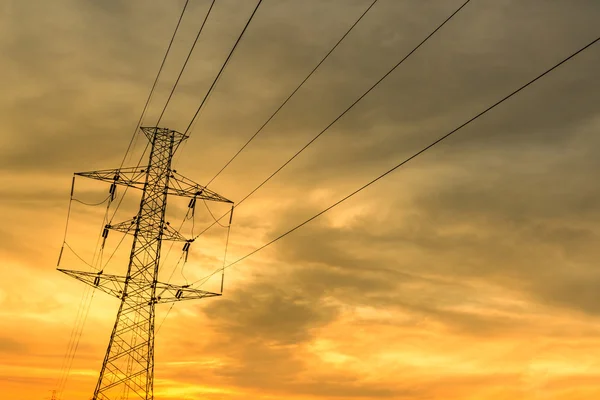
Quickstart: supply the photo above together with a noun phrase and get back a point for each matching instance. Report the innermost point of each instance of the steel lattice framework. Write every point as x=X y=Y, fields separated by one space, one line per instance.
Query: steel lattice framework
x=128 y=367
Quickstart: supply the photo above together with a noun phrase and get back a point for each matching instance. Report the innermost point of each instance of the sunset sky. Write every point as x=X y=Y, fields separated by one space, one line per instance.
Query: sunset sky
x=470 y=273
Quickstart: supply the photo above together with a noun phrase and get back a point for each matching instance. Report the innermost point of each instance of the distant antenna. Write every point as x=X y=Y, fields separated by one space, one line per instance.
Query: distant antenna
x=128 y=366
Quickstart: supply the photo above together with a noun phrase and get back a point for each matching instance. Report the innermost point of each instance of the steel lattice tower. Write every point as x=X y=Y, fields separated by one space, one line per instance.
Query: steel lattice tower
x=128 y=367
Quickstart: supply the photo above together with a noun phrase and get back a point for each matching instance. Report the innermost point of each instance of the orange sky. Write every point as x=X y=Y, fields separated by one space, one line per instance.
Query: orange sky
x=469 y=274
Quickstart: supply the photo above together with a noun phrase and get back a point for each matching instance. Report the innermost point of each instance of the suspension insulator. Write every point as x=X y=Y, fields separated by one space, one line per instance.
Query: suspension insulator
x=179 y=294
x=104 y=235
x=112 y=191
x=192 y=203
x=96 y=281
x=186 y=246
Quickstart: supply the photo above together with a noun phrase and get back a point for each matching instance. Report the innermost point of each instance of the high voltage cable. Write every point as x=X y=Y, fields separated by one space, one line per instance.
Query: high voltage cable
x=222 y=67
x=222 y=269
x=77 y=339
x=83 y=306
x=127 y=187
x=79 y=257
x=293 y=92
x=343 y=113
x=212 y=215
x=418 y=153
x=212 y=86
x=72 y=347
x=209 y=90
x=83 y=311
x=166 y=105
x=61 y=377
x=186 y=61
x=185 y=218
x=148 y=102
x=92 y=204
x=162 y=64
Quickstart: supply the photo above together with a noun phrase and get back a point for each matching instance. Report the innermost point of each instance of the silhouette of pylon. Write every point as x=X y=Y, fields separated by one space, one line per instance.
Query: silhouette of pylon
x=128 y=366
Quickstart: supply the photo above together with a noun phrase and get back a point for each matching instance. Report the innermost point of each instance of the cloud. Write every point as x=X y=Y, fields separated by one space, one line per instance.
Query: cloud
x=446 y=279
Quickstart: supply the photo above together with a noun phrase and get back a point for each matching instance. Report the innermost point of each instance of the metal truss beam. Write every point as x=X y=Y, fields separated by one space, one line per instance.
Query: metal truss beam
x=114 y=284
x=134 y=178
x=128 y=227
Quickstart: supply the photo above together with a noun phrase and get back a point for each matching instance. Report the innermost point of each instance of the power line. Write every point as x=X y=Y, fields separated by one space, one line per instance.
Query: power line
x=148 y=103
x=354 y=103
x=76 y=340
x=171 y=93
x=343 y=113
x=62 y=376
x=154 y=84
x=222 y=67
x=92 y=204
x=72 y=347
x=84 y=304
x=185 y=218
x=127 y=187
x=213 y=216
x=293 y=92
x=185 y=63
x=418 y=153
x=209 y=92
x=79 y=257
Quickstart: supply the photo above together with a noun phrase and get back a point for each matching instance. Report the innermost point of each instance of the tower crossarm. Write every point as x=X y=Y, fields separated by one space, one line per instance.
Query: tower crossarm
x=179 y=185
x=128 y=227
x=134 y=177
x=123 y=227
x=168 y=293
x=114 y=284
x=111 y=284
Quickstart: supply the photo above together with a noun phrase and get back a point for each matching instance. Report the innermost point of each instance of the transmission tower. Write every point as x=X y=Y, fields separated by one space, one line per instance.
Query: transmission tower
x=128 y=367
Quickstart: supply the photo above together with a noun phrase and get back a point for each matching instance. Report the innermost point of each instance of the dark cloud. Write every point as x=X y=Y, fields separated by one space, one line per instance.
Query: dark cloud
x=272 y=314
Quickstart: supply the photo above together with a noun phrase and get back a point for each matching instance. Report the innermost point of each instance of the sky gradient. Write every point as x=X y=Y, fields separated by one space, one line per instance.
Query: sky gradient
x=470 y=273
